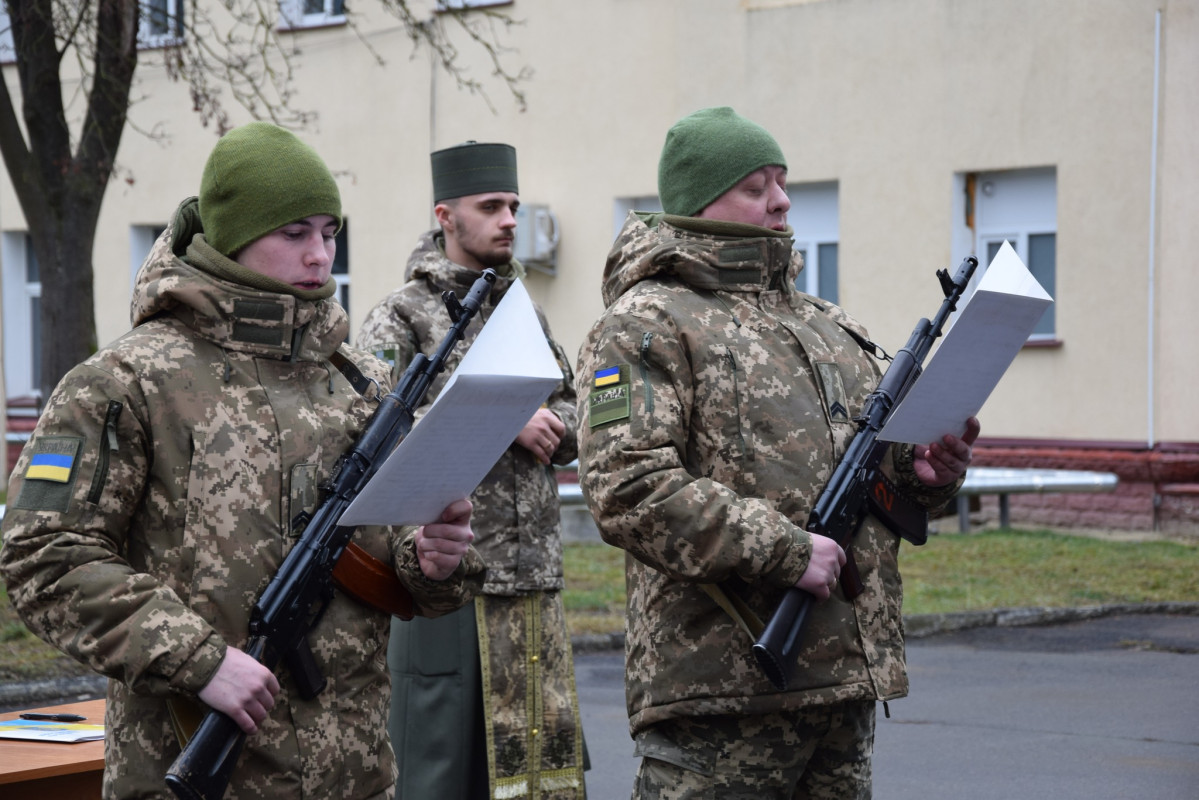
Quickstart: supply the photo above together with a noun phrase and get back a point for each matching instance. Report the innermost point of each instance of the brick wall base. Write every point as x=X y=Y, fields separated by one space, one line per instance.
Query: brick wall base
x=1158 y=489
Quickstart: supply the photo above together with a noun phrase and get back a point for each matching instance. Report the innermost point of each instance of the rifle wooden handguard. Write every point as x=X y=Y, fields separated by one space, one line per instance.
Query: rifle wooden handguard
x=368 y=580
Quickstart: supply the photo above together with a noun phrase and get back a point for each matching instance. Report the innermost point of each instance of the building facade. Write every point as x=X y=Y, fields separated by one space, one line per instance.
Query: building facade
x=917 y=132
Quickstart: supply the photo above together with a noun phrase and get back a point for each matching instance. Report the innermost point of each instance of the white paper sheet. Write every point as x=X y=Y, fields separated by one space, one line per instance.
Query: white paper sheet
x=977 y=350
x=500 y=383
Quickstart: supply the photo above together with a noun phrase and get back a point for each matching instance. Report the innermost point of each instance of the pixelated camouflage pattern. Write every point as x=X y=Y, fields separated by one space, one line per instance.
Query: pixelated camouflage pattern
x=531 y=709
x=817 y=753
x=516 y=517
x=733 y=378
x=204 y=432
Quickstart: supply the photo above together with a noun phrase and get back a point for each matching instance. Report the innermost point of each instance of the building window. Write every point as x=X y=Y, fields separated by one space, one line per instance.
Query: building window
x=648 y=203
x=141 y=241
x=815 y=218
x=1020 y=207
x=161 y=23
x=458 y=5
x=22 y=316
x=311 y=13
x=8 y=53
x=341 y=266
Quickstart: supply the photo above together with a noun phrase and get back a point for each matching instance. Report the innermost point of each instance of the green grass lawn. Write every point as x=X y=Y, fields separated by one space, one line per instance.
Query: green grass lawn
x=956 y=572
x=953 y=572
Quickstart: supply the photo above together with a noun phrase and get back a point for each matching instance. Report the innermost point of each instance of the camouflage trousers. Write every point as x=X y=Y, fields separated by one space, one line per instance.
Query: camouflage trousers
x=820 y=753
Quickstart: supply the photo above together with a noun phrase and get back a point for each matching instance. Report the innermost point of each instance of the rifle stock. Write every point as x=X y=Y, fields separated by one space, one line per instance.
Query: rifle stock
x=857 y=487
x=297 y=595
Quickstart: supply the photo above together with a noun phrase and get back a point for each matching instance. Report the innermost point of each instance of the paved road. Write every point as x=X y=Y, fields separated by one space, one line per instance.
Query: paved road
x=1096 y=710
x=1105 y=709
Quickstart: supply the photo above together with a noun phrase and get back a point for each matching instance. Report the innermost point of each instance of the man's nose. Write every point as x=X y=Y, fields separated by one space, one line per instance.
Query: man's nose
x=319 y=252
x=779 y=201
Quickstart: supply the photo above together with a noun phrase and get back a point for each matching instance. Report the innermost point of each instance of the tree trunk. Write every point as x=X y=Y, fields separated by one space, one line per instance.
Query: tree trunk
x=64 y=253
x=61 y=188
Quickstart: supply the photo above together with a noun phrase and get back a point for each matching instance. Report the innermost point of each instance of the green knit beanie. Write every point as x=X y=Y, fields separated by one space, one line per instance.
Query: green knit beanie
x=706 y=153
x=260 y=177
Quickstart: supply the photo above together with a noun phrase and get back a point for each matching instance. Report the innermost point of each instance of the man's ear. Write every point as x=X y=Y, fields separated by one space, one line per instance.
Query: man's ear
x=445 y=216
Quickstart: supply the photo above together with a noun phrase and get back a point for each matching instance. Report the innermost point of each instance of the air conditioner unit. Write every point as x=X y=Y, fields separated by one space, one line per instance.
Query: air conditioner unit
x=536 y=244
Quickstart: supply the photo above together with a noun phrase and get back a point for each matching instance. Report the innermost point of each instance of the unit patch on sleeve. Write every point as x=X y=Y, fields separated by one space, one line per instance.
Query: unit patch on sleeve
x=50 y=475
x=609 y=397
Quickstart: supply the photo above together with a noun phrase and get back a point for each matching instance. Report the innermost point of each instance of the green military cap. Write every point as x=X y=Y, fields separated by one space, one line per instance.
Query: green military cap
x=473 y=168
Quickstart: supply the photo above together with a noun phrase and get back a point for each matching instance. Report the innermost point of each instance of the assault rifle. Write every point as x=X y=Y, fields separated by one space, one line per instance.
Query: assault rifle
x=298 y=594
x=858 y=486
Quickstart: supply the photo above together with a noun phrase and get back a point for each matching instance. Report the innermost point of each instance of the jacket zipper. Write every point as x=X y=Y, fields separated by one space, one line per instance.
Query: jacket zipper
x=737 y=405
x=107 y=447
x=646 y=338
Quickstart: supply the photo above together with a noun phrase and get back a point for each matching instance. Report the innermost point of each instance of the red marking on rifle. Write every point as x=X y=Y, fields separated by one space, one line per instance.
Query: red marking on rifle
x=883 y=495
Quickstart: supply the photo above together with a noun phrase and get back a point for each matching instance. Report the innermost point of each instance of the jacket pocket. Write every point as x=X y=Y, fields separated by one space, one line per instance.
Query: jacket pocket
x=730 y=400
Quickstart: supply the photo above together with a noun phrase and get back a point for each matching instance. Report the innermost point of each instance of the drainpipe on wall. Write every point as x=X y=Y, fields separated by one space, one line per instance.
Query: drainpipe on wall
x=1150 y=388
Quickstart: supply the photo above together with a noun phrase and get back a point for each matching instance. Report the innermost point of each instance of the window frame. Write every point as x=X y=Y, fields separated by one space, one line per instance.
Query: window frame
x=815 y=219
x=21 y=351
x=341 y=266
x=293 y=16
x=1036 y=198
x=443 y=6
x=175 y=20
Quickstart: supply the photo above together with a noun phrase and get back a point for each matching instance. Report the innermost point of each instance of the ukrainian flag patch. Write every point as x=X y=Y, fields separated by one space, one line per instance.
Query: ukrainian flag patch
x=609 y=399
x=606 y=377
x=51 y=467
x=50 y=476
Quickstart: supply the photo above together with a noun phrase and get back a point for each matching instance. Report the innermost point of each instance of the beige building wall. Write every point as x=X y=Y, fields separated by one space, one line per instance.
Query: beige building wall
x=894 y=101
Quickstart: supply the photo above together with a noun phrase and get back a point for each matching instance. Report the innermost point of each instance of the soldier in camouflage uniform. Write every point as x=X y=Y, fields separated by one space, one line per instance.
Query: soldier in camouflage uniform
x=169 y=474
x=483 y=700
x=715 y=400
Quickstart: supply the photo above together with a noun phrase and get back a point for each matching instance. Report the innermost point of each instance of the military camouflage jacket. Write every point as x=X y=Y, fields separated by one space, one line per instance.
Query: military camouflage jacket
x=516 y=519
x=715 y=400
x=155 y=499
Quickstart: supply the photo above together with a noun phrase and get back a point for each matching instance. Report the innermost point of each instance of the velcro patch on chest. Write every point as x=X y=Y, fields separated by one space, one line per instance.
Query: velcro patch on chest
x=609 y=399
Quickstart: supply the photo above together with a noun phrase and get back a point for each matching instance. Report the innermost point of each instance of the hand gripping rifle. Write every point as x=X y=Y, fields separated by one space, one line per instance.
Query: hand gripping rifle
x=298 y=594
x=858 y=486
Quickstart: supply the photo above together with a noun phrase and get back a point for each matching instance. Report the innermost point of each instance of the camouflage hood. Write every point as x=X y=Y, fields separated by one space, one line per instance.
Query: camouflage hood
x=704 y=254
x=183 y=276
x=428 y=262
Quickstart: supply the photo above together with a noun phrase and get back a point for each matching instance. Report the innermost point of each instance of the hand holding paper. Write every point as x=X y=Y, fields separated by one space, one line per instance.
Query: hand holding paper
x=977 y=350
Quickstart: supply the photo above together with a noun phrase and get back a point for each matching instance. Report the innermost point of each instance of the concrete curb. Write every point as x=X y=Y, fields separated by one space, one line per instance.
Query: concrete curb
x=61 y=690
x=916 y=626
x=919 y=626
